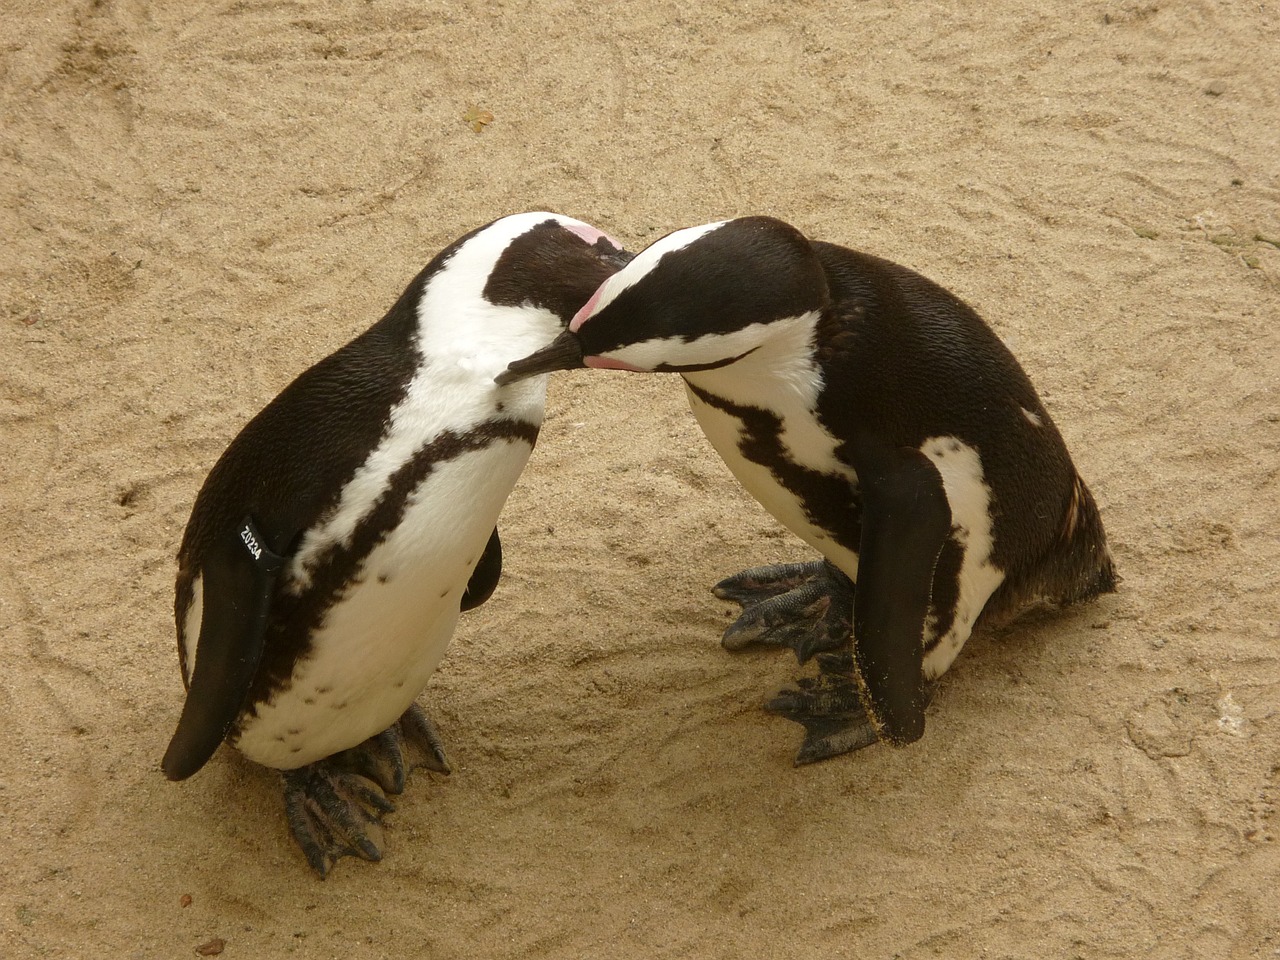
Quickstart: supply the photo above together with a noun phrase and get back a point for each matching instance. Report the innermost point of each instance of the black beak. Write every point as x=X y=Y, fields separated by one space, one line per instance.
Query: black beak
x=562 y=353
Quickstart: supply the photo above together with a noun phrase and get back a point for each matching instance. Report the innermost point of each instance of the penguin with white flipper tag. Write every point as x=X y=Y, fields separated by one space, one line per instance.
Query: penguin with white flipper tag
x=334 y=544
x=877 y=417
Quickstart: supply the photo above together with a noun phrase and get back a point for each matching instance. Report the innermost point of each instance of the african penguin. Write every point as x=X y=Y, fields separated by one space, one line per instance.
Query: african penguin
x=335 y=542
x=876 y=416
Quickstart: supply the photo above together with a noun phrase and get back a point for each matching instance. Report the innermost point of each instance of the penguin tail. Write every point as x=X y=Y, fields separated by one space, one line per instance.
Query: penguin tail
x=1081 y=566
x=1076 y=566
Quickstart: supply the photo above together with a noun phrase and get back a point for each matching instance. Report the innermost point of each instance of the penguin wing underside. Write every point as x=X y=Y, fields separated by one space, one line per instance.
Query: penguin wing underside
x=239 y=578
x=905 y=522
x=484 y=578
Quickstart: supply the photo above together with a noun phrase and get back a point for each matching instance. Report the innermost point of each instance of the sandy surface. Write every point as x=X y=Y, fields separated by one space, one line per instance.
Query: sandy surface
x=200 y=200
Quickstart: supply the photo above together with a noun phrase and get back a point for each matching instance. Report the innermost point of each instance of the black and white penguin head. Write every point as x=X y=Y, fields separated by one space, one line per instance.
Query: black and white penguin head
x=508 y=286
x=697 y=299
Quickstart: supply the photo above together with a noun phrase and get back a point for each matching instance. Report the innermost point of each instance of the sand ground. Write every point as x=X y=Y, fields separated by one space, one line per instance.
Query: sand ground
x=200 y=200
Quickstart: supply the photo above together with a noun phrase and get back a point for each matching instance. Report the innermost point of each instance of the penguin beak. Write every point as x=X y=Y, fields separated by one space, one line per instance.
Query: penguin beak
x=562 y=353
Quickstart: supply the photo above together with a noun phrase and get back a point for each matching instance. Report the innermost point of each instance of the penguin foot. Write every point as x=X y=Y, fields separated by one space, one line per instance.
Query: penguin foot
x=422 y=741
x=333 y=813
x=411 y=742
x=807 y=607
x=335 y=807
x=829 y=708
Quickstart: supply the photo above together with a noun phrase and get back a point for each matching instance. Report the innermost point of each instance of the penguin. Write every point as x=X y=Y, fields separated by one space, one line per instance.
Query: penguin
x=879 y=419
x=334 y=544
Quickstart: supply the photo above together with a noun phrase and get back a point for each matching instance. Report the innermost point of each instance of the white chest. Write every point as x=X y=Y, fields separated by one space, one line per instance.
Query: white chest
x=379 y=645
x=766 y=453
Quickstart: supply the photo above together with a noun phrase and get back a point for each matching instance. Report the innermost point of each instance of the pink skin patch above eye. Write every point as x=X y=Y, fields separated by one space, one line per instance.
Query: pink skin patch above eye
x=605 y=363
x=591 y=234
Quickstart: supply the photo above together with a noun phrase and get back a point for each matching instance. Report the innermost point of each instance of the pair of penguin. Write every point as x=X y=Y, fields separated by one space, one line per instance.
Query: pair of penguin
x=874 y=414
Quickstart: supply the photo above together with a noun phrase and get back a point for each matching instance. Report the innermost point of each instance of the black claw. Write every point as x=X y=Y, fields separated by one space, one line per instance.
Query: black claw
x=826 y=739
x=311 y=834
x=367 y=796
x=331 y=812
x=829 y=708
x=379 y=759
x=421 y=734
x=769 y=623
x=816 y=699
x=836 y=664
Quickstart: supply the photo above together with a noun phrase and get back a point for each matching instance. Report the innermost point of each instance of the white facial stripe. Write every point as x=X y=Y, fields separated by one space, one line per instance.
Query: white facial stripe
x=674 y=351
x=644 y=262
x=782 y=358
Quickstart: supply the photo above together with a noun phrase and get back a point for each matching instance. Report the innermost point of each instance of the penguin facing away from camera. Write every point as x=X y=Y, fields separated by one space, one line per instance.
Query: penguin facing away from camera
x=876 y=416
x=335 y=542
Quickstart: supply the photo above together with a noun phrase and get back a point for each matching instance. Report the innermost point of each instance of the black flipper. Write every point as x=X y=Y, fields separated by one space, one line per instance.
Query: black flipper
x=905 y=521
x=484 y=578
x=239 y=579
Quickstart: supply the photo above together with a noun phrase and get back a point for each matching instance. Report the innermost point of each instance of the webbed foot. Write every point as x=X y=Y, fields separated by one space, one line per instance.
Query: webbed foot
x=829 y=708
x=333 y=813
x=387 y=758
x=807 y=607
x=335 y=806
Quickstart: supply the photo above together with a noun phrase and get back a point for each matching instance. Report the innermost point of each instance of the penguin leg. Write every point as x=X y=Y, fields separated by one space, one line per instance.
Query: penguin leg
x=422 y=741
x=807 y=607
x=335 y=806
x=829 y=707
x=387 y=758
x=877 y=691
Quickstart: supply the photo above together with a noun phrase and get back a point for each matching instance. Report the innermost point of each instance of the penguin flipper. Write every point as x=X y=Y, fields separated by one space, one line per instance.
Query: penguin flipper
x=485 y=576
x=807 y=607
x=239 y=578
x=906 y=519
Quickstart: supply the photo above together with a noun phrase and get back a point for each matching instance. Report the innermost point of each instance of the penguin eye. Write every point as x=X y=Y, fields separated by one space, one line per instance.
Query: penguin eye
x=611 y=254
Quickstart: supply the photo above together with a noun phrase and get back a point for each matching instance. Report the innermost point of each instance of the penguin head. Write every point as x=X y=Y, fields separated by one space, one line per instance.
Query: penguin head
x=506 y=287
x=697 y=299
x=550 y=262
